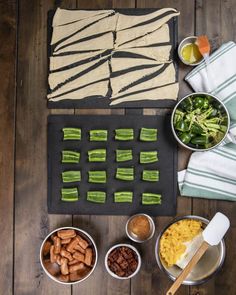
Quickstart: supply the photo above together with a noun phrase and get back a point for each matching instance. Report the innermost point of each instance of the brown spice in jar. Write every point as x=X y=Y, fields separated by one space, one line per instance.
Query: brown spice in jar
x=140 y=227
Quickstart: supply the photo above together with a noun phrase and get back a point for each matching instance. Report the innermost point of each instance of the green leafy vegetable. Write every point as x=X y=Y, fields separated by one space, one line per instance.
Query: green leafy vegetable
x=123 y=197
x=151 y=199
x=71 y=133
x=98 y=135
x=70 y=157
x=126 y=174
x=148 y=157
x=124 y=134
x=148 y=134
x=71 y=176
x=124 y=155
x=150 y=175
x=97 y=176
x=98 y=155
x=69 y=194
x=96 y=197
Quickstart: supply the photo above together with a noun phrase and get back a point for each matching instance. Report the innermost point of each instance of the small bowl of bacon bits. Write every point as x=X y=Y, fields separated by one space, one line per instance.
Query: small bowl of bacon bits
x=123 y=261
x=68 y=255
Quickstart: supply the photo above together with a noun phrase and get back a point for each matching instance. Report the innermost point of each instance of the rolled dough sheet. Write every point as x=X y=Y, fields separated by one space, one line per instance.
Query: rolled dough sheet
x=105 y=41
x=161 y=35
x=58 y=62
x=164 y=92
x=99 y=73
x=65 y=31
x=121 y=81
x=99 y=88
x=104 y=25
x=168 y=76
x=161 y=53
x=139 y=31
x=65 y=16
x=128 y=21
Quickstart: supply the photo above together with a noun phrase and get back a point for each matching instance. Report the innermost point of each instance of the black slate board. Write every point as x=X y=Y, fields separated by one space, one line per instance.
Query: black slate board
x=167 y=164
x=103 y=102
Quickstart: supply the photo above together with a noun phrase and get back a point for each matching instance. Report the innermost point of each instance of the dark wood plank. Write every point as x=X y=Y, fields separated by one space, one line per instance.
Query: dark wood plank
x=8 y=25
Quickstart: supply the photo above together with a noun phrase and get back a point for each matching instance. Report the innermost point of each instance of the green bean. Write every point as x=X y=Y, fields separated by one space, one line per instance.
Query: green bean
x=96 y=197
x=71 y=176
x=148 y=157
x=98 y=155
x=97 y=176
x=71 y=133
x=123 y=197
x=126 y=174
x=124 y=134
x=70 y=157
x=98 y=135
x=148 y=134
x=69 y=194
x=151 y=199
x=124 y=155
x=150 y=175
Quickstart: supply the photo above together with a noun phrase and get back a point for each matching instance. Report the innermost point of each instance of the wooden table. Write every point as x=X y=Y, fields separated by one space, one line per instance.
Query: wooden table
x=24 y=221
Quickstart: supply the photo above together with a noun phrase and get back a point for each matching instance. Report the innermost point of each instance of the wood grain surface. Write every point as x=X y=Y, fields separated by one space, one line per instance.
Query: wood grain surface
x=24 y=221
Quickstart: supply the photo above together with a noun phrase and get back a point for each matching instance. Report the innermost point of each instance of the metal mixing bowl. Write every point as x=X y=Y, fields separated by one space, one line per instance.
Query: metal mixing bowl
x=208 y=266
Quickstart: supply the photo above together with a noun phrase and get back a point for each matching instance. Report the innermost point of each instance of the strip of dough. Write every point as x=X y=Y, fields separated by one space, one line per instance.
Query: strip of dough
x=133 y=33
x=168 y=76
x=99 y=73
x=160 y=53
x=128 y=21
x=58 y=62
x=100 y=88
x=65 y=16
x=161 y=35
x=104 y=25
x=165 y=92
x=62 y=32
x=105 y=41
x=121 y=81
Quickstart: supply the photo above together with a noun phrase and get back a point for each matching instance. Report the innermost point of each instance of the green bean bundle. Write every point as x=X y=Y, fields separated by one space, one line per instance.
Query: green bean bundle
x=98 y=155
x=126 y=174
x=97 y=176
x=151 y=199
x=124 y=134
x=150 y=175
x=148 y=157
x=124 y=155
x=98 y=135
x=96 y=197
x=123 y=197
x=148 y=134
x=71 y=176
x=71 y=133
x=69 y=194
x=70 y=157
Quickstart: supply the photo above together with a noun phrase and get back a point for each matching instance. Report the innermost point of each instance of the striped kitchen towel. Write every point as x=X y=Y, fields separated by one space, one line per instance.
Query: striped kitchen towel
x=212 y=174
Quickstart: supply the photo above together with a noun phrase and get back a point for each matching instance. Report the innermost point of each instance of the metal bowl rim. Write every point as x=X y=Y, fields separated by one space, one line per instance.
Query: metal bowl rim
x=180 y=56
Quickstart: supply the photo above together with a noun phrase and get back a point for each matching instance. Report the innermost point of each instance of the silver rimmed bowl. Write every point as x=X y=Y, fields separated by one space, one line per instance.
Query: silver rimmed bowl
x=184 y=42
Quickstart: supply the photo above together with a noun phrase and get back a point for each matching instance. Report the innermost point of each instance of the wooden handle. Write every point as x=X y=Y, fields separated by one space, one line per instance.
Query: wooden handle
x=188 y=268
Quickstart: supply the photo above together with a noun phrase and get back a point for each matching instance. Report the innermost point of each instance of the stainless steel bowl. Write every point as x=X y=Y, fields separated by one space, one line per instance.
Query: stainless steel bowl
x=83 y=234
x=188 y=40
x=172 y=121
x=208 y=266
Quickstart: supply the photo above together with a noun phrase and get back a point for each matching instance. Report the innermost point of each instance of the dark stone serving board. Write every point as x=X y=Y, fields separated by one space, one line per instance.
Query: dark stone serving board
x=167 y=164
x=97 y=102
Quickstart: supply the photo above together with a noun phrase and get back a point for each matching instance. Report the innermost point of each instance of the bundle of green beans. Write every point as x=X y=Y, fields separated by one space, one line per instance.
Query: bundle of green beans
x=70 y=157
x=69 y=194
x=148 y=134
x=125 y=174
x=150 y=175
x=148 y=157
x=123 y=197
x=97 y=176
x=96 y=197
x=98 y=155
x=98 y=135
x=151 y=199
x=71 y=176
x=124 y=134
x=71 y=133
x=124 y=155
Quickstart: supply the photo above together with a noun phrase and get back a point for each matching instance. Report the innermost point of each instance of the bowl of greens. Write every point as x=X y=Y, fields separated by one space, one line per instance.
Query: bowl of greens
x=200 y=121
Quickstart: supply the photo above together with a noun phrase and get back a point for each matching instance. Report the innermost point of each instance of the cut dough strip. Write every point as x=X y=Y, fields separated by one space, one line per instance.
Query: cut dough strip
x=164 y=92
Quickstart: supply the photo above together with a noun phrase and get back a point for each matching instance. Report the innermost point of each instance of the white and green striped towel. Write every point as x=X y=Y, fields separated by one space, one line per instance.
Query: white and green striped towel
x=212 y=174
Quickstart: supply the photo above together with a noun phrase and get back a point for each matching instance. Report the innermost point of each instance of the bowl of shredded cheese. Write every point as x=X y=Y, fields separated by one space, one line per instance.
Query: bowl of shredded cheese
x=178 y=240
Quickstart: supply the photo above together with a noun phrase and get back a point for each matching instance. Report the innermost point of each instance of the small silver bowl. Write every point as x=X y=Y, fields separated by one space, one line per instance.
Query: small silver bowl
x=188 y=40
x=112 y=273
x=132 y=236
x=208 y=266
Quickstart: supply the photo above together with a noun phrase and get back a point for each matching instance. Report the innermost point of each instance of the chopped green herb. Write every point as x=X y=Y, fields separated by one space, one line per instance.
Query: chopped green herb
x=71 y=176
x=98 y=135
x=148 y=157
x=97 y=176
x=123 y=197
x=98 y=155
x=125 y=174
x=96 y=196
x=69 y=194
x=150 y=175
x=124 y=155
x=148 y=134
x=72 y=133
x=124 y=134
x=151 y=199
x=70 y=157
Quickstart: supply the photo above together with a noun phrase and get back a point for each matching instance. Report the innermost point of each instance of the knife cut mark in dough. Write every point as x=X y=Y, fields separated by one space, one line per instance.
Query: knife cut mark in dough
x=122 y=81
x=166 y=77
x=161 y=35
x=164 y=92
x=65 y=16
x=160 y=53
x=139 y=31
x=99 y=73
x=99 y=88
x=129 y=21
x=105 y=41
x=104 y=25
x=68 y=30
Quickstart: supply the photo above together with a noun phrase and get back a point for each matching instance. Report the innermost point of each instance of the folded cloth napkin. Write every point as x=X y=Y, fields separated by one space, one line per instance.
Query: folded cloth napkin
x=212 y=174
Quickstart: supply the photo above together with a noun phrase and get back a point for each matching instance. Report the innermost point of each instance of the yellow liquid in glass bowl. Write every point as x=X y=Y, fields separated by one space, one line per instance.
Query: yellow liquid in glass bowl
x=190 y=53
